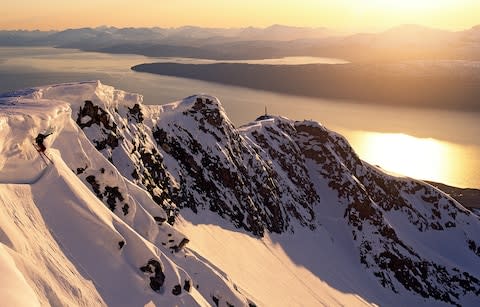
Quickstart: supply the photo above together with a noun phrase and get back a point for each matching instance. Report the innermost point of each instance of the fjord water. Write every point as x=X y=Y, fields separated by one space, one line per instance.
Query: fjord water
x=436 y=145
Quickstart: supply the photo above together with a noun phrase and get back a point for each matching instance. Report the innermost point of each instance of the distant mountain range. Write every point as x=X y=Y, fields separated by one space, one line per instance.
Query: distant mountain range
x=174 y=36
x=405 y=42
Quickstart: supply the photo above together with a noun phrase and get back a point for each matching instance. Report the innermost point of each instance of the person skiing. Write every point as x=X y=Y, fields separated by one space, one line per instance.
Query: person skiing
x=39 y=141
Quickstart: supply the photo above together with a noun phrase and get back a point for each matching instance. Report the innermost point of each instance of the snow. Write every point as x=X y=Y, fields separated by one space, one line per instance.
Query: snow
x=15 y=290
x=37 y=255
x=64 y=241
x=60 y=240
x=271 y=276
x=301 y=269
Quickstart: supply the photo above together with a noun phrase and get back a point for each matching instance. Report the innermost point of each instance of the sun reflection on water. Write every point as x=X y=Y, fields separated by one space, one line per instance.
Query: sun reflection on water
x=422 y=158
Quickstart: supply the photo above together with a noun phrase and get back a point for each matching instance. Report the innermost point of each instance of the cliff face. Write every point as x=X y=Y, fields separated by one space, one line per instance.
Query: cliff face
x=271 y=176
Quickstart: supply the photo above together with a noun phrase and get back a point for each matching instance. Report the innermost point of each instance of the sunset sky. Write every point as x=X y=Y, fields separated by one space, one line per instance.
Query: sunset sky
x=347 y=15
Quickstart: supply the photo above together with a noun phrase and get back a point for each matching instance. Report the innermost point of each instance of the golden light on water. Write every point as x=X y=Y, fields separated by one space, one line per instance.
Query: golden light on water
x=421 y=158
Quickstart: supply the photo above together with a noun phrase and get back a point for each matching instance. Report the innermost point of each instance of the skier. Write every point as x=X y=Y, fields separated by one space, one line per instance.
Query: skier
x=39 y=141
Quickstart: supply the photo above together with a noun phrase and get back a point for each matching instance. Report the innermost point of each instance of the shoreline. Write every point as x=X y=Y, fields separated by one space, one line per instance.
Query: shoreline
x=468 y=197
x=374 y=84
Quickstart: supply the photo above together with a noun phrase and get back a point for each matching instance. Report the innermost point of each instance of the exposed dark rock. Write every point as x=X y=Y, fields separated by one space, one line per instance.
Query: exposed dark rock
x=121 y=244
x=159 y=220
x=177 y=290
x=125 y=209
x=157 y=277
x=111 y=140
x=473 y=247
x=150 y=172
x=136 y=113
x=112 y=194
x=215 y=300
x=95 y=186
x=257 y=198
x=179 y=247
x=186 y=285
x=98 y=116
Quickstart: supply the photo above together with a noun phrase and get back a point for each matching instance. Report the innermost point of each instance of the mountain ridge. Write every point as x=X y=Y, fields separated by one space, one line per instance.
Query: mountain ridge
x=125 y=254
x=405 y=42
x=151 y=171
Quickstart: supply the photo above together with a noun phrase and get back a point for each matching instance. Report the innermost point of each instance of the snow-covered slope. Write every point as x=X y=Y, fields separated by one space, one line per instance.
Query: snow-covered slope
x=65 y=247
x=173 y=205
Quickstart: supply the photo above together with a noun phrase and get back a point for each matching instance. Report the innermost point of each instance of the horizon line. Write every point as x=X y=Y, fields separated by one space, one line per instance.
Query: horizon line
x=245 y=27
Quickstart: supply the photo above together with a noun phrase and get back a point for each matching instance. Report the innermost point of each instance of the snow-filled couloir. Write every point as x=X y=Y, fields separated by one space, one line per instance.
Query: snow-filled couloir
x=173 y=205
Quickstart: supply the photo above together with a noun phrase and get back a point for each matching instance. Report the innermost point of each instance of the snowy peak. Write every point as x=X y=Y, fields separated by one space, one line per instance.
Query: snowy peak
x=382 y=211
x=133 y=172
x=222 y=170
x=394 y=219
x=90 y=219
x=203 y=112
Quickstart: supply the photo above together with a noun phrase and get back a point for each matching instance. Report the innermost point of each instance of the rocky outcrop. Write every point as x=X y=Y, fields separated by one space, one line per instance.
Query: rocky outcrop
x=277 y=175
x=377 y=204
x=153 y=269
x=228 y=173
x=91 y=114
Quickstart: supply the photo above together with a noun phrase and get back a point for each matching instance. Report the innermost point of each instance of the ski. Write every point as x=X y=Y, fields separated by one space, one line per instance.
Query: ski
x=45 y=155
x=44 y=161
x=42 y=155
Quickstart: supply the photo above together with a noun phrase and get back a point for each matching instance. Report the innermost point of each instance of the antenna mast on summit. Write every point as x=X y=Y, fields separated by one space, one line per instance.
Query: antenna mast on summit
x=266 y=111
